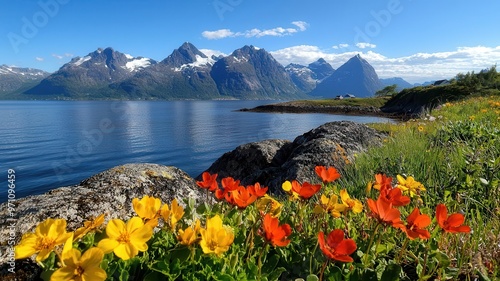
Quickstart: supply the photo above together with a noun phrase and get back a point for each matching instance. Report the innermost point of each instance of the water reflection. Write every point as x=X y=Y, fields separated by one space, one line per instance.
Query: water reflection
x=53 y=144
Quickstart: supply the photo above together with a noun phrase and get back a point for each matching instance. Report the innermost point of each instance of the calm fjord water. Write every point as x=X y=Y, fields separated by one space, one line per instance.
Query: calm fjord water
x=51 y=144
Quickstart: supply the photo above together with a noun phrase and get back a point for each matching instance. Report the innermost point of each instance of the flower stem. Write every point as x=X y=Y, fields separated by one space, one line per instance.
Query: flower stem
x=323 y=268
x=259 y=261
x=312 y=257
x=403 y=249
x=370 y=243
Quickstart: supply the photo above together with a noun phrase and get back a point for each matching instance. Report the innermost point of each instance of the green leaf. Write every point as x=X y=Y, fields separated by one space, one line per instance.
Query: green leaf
x=124 y=275
x=442 y=258
x=224 y=277
x=276 y=273
x=391 y=272
x=312 y=277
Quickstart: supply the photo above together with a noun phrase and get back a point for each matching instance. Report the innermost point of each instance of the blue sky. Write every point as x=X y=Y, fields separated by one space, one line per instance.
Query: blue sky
x=418 y=40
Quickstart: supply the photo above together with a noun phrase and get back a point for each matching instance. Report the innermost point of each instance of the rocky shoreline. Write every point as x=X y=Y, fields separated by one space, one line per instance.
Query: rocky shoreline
x=299 y=107
x=269 y=162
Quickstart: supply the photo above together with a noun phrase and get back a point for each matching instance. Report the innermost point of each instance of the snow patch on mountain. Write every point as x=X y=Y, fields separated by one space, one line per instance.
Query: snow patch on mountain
x=137 y=63
x=199 y=62
x=81 y=60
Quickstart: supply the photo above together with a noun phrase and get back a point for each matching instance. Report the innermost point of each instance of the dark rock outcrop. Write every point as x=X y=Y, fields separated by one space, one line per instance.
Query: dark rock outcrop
x=271 y=162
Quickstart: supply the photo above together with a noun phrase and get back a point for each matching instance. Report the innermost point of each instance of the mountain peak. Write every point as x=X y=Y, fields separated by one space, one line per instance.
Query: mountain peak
x=356 y=76
x=187 y=53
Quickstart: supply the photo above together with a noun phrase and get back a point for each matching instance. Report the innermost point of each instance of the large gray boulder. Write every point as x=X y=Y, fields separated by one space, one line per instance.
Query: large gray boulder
x=109 y=192
x=271 y=162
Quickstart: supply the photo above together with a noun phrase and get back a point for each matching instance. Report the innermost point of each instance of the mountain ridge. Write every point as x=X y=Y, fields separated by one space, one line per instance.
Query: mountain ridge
x=187 y=73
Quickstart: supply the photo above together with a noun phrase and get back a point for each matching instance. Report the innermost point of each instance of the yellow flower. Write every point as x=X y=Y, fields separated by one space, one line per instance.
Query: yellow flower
x=269 y=205
x=126 y=240
x=80 y=267
x=148 y=209
x=329 y=205
x=189 y=235
x=216 y=238
x=410 y=185
x=89 y=226
x=48 y=234
x=173 y=214
x=287 y=186
x=350 y=204
x=472 y=117
x=420 y=128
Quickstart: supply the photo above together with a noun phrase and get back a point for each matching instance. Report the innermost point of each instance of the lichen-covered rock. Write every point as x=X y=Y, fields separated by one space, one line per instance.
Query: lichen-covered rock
x=109 y=192
x=271 y=162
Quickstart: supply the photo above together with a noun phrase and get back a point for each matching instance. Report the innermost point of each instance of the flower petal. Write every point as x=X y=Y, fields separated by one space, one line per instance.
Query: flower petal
x=114 y=228
x=108 y=245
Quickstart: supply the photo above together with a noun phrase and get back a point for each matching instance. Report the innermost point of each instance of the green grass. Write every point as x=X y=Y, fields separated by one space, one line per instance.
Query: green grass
x=457 y=158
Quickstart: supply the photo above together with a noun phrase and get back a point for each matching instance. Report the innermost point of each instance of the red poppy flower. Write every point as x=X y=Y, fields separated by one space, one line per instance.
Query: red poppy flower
x=243 y=197
x=228 y=185
x=274 y=233
x=394 y=196
x=306 y=190
x=209 y=181
x=383 y=211
x=382 y=182
x=327 y=174
x=416 y=224
x=336 y=247
x=453 y=223
x=257 y=190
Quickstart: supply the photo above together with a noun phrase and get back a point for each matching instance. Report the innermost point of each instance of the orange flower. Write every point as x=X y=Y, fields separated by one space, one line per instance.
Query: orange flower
x=327 y=174
x=209 y=181
x=243 y=197
x=306 y=190
x=382 y=182
x=453 y=223
x=257 y=190
x=416 y=224
x=383 y=211
x=274 y=233
x=228 y=185
x=336 y=247
x=394 y=196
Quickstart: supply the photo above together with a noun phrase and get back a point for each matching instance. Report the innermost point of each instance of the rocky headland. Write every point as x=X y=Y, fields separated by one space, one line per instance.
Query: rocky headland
x=269 y=162
x=303 y=107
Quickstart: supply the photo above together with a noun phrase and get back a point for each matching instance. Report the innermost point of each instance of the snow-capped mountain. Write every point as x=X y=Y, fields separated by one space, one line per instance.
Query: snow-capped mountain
x=14 y=78
x=253 y=73
x=91 y=74
x=307 y=77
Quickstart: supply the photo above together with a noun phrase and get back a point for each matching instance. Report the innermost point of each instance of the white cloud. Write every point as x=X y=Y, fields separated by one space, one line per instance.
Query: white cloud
x=340 y=46
x=209 y=53
x=39 y=59
x=414 y=68
x=363 y=45
x=217 y=34
x=302 y=25
x=60 y=57
x=255 y=32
